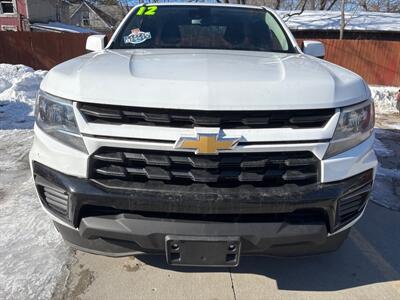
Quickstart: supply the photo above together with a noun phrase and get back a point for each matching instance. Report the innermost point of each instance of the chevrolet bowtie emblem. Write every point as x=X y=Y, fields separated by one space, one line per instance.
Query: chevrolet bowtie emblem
x=206 y=143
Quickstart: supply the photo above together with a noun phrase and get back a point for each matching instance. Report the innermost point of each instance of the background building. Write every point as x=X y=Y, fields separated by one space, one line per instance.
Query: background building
x=54 y=15
x=17 y=15
x=101 y=18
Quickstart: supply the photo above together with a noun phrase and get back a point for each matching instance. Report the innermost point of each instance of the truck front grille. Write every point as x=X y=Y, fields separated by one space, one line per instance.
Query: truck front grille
x=223 y=170
x=110 y=114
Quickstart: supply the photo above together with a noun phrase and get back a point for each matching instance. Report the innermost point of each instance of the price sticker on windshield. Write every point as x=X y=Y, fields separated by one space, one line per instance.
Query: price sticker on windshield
x=147 y=11
x=137 y=37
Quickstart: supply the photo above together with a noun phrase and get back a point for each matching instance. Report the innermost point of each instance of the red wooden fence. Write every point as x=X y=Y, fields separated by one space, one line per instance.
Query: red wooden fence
x=40 y=50
x=378 y=62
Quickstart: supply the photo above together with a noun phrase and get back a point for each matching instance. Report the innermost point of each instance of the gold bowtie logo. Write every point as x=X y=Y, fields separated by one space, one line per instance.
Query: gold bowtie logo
x=206 y=143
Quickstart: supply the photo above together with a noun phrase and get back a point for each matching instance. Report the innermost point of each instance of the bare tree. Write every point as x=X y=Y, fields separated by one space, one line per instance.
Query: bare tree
x=380 y=5
x=331 y=5
x=342 y=19
x=296 y=13
x=124 y=3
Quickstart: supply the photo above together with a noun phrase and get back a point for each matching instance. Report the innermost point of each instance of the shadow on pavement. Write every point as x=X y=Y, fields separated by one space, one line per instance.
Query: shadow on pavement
x=370 y=255
x=15 y=115
x=387 y=184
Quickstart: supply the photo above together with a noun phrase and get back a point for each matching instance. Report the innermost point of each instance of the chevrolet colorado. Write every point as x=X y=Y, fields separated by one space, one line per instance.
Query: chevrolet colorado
x=203 y=132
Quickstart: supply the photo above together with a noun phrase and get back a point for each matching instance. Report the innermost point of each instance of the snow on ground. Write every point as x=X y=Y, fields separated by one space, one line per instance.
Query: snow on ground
x=32 y=254
x=18 y=88
x=61 y=27
x=385 y=98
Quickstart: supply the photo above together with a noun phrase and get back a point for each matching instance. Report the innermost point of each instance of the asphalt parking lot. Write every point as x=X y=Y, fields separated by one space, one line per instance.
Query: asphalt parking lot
x=366 y=267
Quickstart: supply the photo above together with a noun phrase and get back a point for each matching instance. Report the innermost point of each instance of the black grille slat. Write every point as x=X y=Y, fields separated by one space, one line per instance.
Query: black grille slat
x=344 y=207
x=112 y=171
x=116 y=156
x=348 y=198
x=309 y=119
x=57 y=206
x=136 y=171
x=56 y=193
x=213 y=162
x=299 y=162
x=352 y=209
x=254 y=163
x=202 y=175
x=347 y=204
x=348 y=217
x=56 y=198
x=262 y=169
x=298 y=175
x=156 y=118
x=101 y=113
x=250 y=177
x=256 y=121
x=352 y=203
x=157 y=173
x=134 y=156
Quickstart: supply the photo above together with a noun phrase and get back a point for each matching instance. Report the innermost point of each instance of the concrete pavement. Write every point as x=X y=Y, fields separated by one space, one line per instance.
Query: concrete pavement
x=366 y=267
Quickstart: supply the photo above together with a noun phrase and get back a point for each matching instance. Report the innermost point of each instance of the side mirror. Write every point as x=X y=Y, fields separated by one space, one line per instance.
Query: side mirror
x=96 y=42
x=314 y=48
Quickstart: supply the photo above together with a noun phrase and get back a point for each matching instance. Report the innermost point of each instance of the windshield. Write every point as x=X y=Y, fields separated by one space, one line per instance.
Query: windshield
x=203 y=27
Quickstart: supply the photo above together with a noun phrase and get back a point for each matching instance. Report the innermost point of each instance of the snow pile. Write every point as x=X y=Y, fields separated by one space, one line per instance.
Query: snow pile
x=18 y=88
x=32 y=253
x=62 y=27
x=385 y=98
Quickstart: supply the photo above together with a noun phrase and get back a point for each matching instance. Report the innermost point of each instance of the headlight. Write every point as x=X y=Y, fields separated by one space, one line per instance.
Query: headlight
x=356 y=124
x=56 y=117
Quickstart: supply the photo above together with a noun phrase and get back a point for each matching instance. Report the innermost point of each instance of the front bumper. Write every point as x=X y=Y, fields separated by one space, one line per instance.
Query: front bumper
x=297 y=221
x=128 y=234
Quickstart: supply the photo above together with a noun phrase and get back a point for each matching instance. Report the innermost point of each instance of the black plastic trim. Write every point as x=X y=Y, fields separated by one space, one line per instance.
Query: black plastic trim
x=183 y=118
x=241 y=200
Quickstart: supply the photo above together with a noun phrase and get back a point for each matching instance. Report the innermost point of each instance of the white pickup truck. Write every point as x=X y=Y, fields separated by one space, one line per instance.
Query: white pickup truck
x=203 y=132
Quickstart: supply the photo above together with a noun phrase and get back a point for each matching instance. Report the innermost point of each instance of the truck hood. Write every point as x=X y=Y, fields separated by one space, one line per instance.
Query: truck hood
x=205 y=79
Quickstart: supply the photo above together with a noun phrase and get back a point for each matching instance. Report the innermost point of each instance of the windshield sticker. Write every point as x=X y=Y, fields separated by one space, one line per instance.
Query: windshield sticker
x=147 y=11
x=137 y=37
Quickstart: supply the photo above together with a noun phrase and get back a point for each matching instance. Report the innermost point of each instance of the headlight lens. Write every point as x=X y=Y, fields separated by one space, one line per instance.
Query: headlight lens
x=356 y=124
x=56 y=117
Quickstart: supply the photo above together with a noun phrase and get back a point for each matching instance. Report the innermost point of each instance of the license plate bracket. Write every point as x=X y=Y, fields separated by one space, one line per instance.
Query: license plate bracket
x=202 y=251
